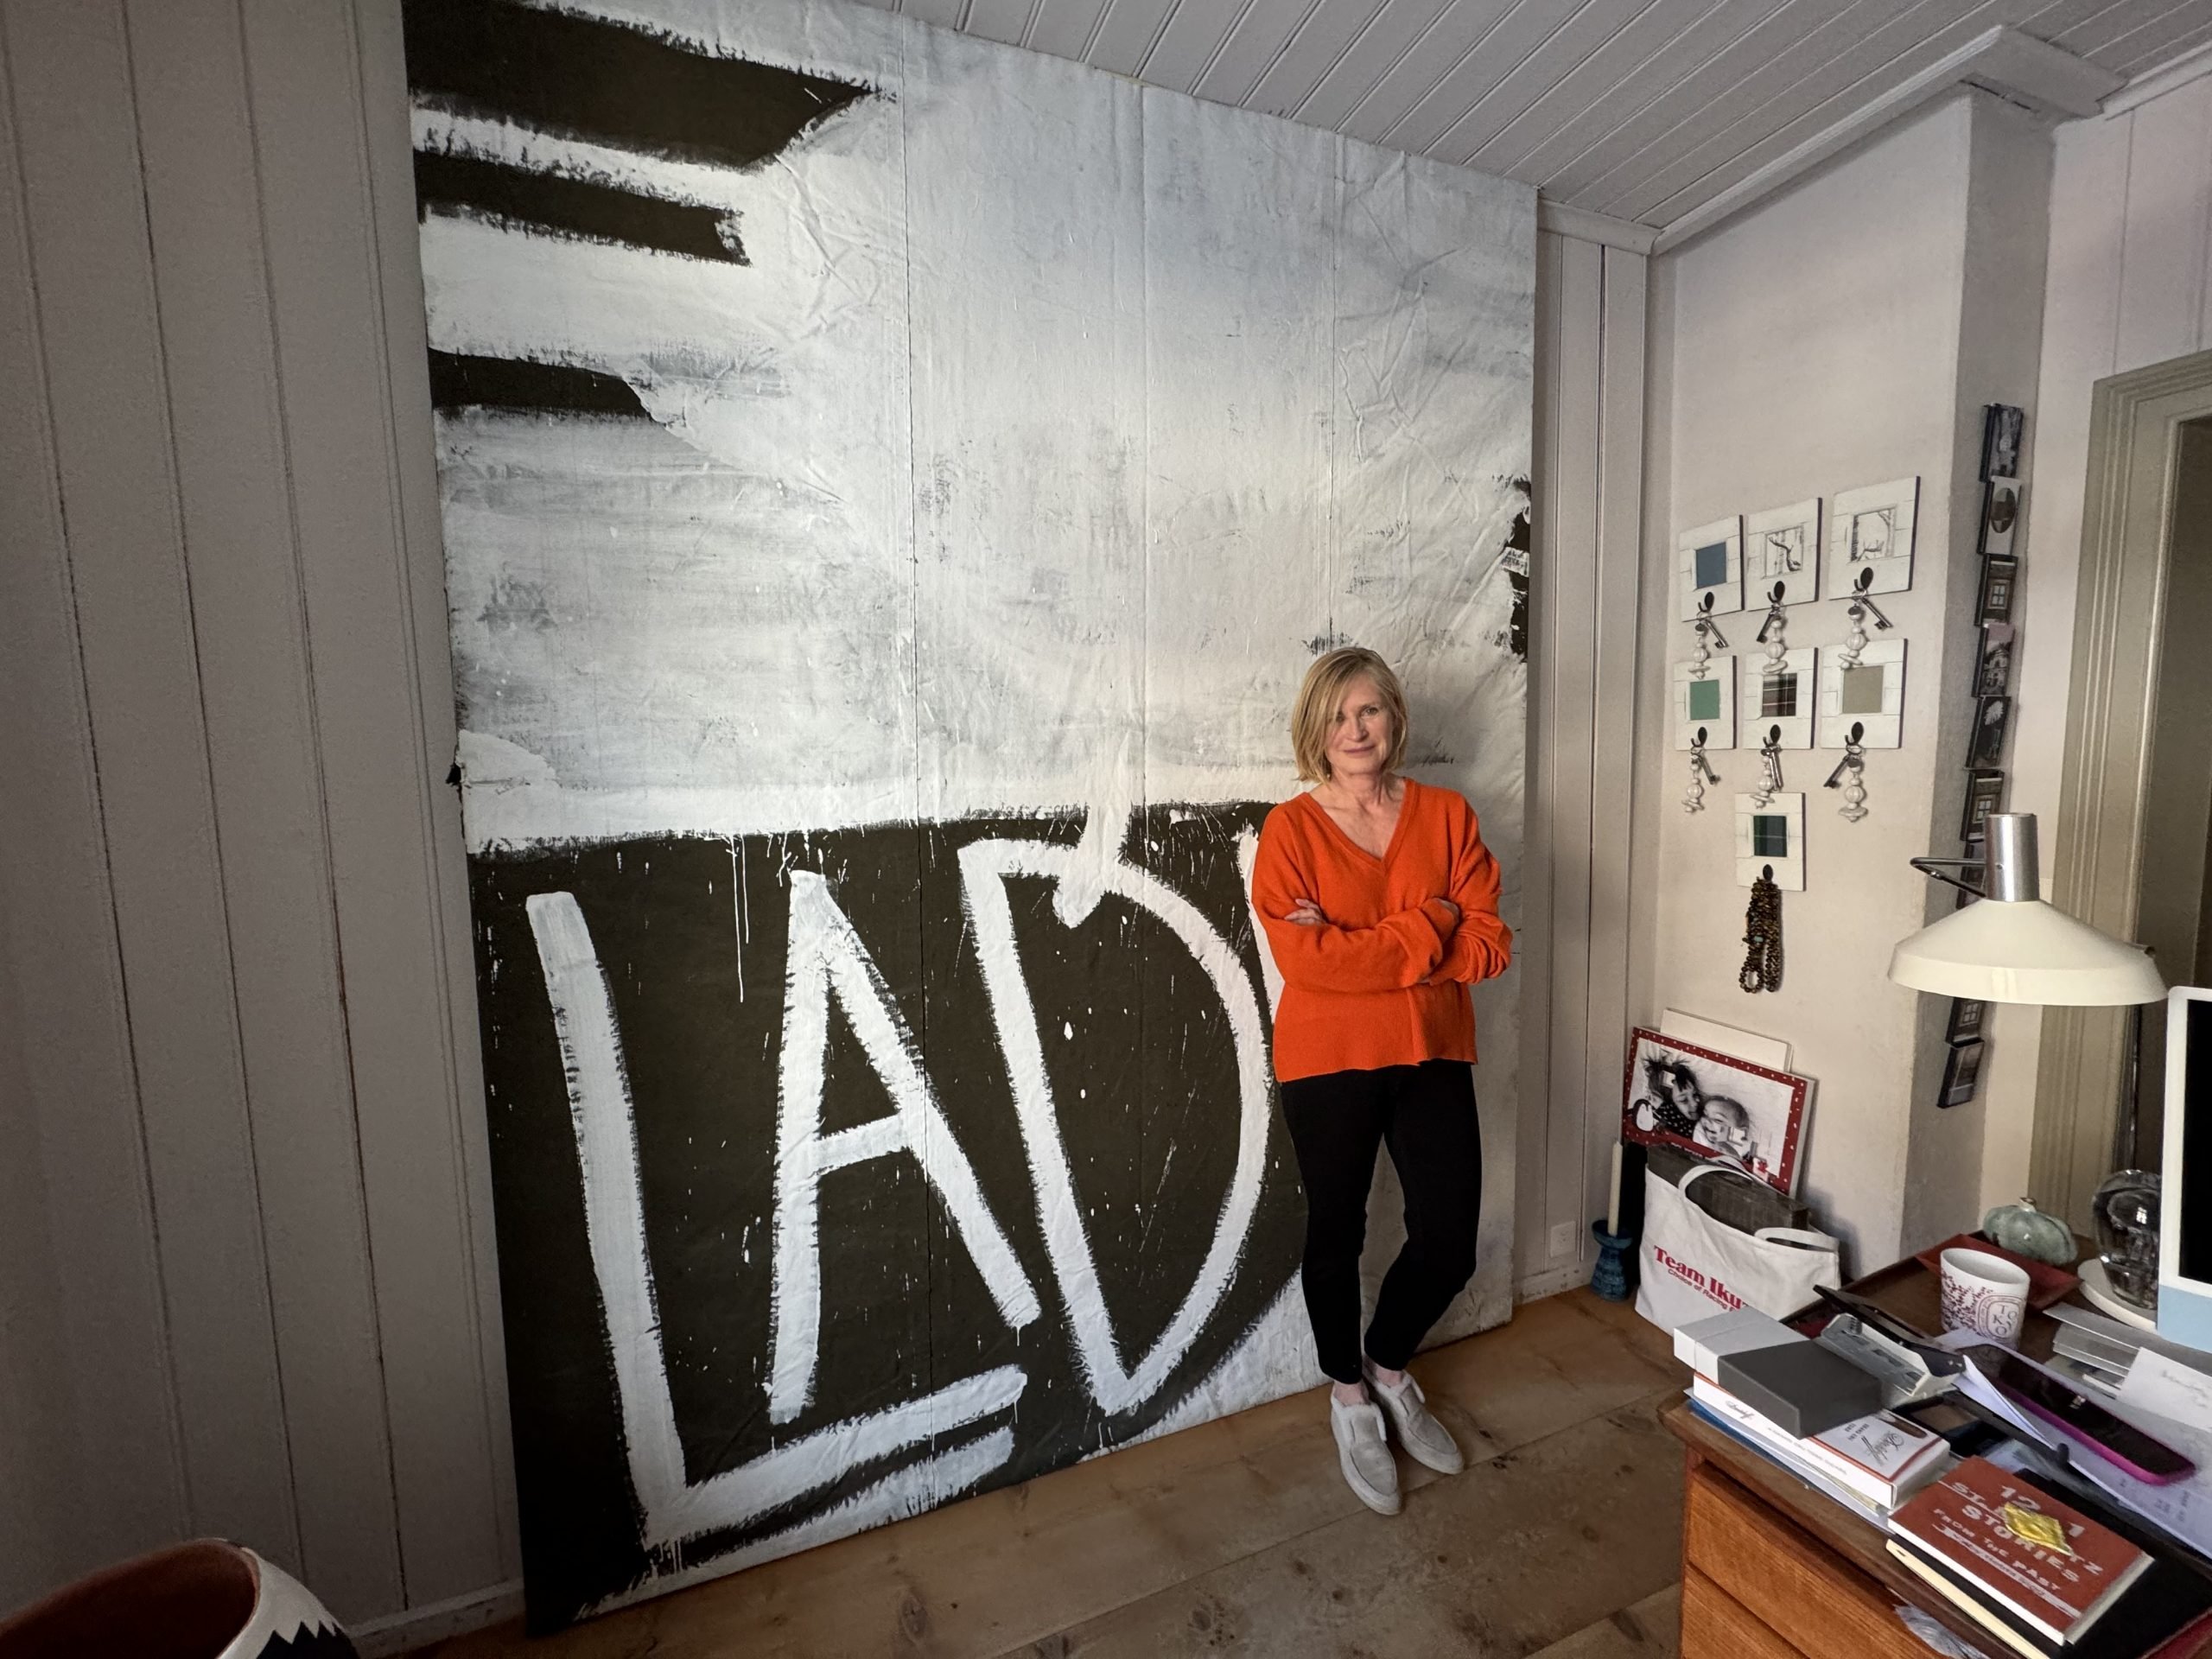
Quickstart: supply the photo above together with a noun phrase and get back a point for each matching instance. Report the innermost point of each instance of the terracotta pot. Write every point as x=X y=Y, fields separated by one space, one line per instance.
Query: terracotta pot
x=203 y=1600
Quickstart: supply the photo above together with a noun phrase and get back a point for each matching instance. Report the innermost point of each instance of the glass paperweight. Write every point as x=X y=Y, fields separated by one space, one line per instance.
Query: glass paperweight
x=2127 y=1211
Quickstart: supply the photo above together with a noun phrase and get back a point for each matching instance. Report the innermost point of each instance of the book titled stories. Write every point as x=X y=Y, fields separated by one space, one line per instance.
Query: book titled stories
x=2039 y=1558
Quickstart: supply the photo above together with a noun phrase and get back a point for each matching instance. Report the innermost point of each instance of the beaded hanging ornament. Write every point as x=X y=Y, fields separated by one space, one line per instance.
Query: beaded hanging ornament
x=1769 y=784
x=1702 y=772
x=1771 y=631
x=1762 y=939
x=1708 y=635
x=1860 y=608
x=1850 y=776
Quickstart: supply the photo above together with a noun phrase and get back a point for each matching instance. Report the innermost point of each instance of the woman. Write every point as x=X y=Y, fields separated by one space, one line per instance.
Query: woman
x=1380 y=903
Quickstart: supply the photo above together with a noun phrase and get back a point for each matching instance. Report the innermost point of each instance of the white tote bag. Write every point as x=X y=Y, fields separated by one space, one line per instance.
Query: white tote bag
x=1694 y=1266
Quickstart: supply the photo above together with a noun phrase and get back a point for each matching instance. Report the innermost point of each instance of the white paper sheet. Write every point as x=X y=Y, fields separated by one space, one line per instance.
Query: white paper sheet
x=2179 y=1393
x=1769 y=1052
x=2183 y=1508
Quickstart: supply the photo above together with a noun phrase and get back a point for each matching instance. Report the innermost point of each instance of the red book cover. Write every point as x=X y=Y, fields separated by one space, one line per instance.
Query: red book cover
x=2046 y=1561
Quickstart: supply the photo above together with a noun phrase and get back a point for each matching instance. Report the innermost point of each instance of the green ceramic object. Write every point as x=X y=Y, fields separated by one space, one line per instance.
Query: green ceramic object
x=2025 y=1231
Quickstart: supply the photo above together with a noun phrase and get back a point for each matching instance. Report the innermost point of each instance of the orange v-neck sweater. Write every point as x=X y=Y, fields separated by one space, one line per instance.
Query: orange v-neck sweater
x=1384 y=981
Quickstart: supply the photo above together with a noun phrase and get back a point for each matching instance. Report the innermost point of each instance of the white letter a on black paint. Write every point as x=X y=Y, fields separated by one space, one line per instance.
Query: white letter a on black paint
x=826 y=955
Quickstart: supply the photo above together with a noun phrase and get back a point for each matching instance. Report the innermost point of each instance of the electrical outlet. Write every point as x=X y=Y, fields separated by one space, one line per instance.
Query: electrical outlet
x=1563 y=1240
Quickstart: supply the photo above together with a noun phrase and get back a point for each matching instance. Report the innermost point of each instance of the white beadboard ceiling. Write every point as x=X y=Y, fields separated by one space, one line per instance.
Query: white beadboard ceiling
x=1663 y=113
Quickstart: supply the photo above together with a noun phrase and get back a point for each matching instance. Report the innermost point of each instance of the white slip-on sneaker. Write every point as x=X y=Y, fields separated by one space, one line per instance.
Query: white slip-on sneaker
x=1426 y=1439
x=1363 y=1453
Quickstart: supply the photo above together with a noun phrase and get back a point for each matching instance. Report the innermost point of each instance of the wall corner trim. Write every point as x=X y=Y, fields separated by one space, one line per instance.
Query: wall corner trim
x=2001 y=60
x=1587 y=226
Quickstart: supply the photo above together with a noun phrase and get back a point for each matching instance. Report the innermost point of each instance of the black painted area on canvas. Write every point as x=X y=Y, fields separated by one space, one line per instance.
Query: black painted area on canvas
x=1144 y=1071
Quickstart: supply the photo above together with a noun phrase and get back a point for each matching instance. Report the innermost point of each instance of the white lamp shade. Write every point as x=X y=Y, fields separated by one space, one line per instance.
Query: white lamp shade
x=2023 y=951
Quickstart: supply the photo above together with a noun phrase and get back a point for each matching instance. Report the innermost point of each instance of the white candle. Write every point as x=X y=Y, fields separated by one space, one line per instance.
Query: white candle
x=1613 y=1209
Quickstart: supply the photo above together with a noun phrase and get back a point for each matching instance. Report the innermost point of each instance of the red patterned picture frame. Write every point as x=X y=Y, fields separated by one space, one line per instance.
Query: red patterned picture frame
x=1713 y=1106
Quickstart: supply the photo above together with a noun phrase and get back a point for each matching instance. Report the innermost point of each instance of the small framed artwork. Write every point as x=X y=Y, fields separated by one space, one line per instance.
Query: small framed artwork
x=1984 y=795
x=2002 y=427
x=1868 y=693
x=1961 y=1073
x=1986 y=747
x=1992 y=669
x=1967 y=1014
x=1871 y=529
x=2000 y=516
x=1710 y=560
x=2000 y=583
x=1770 y=842
x=1714 y=1106
x=1782 y=549
x=1778 y=698
x=1705 y=701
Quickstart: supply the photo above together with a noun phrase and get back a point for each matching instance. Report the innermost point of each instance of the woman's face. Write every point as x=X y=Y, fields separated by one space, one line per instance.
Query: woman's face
x=1359 y=736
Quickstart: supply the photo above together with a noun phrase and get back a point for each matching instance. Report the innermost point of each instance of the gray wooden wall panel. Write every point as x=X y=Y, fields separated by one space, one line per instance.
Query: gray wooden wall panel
x=391 y=172
x=1571 y=732
x=1337 y=41
x=1527 y=82
x=33 y=1479
x=81 y=165
x=1464 y=41
x=1478 y=73
x=1532 y=947
x=1613 y=673
x=1193 y=37
x=311 y=128
x=1815 y=104
x=1264 y=36
x=1786 y=81
x=1573 y=953
x=93 y=1428
x=1588 y=91
x=2118 y=38
x=1125 y=37
x=205 y=220
x=1613 y=157
x=1064 y=27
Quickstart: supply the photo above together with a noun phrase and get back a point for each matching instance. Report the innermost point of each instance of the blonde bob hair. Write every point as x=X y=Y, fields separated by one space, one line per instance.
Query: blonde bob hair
x=1315 y=712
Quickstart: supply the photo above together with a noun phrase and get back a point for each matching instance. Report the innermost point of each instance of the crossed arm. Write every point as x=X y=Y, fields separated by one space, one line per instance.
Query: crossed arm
x=1456 y=935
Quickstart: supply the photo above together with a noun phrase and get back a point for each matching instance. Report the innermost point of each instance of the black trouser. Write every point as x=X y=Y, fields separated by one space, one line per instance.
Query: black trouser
x=1426 y=1115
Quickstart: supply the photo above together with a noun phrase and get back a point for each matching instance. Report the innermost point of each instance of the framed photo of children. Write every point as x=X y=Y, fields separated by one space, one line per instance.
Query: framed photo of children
x=1714 y=1107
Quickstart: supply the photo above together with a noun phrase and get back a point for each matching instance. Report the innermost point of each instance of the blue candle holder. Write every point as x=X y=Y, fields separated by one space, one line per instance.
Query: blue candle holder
x=1613 y=1277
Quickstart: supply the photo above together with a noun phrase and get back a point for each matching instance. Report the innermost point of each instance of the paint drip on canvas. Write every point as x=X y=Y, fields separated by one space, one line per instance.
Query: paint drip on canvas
x=892 y=486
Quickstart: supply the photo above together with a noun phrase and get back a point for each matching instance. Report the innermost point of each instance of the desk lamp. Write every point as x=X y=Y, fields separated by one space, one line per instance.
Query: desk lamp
x=2012 y=947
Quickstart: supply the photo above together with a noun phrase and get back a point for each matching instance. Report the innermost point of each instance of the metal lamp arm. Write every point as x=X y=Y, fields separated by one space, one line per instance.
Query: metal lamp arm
x=1940 y=868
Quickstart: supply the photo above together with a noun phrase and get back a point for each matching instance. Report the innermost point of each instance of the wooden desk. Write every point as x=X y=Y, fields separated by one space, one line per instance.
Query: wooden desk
x=1775 y=1569
x=1772 y=1569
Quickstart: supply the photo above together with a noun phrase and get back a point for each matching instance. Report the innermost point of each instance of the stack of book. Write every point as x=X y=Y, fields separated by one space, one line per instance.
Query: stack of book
x=2044 y=1570
x=1878 y=1461
x=1807 y=1409
x=2035 y=1572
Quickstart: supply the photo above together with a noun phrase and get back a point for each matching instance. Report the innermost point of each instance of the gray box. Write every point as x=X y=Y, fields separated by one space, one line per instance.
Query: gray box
x=1801 y=1387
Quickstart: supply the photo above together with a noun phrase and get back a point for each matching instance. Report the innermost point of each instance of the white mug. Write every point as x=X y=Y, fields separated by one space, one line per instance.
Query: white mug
x=1984 y=1293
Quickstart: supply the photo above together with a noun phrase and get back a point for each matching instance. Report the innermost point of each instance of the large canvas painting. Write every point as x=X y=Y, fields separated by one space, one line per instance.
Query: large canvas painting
x=892 y=486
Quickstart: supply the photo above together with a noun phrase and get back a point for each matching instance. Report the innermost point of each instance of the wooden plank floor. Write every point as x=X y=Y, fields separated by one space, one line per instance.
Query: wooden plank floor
x=1562 y=1539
